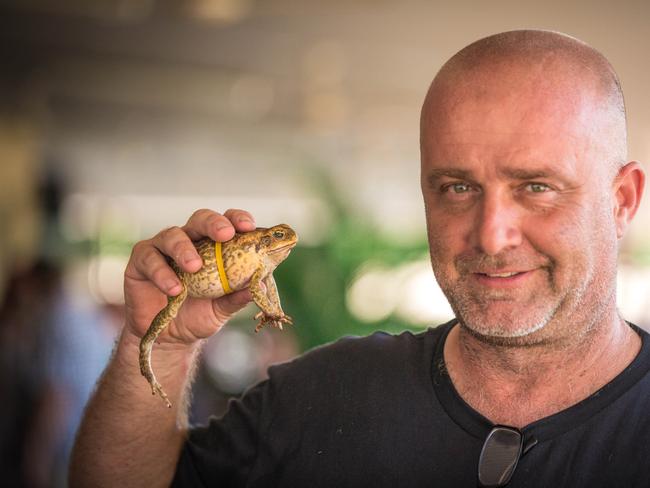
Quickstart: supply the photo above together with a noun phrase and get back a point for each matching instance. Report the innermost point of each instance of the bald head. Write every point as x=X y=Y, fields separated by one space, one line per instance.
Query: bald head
x=522 y=134
x=535 y=63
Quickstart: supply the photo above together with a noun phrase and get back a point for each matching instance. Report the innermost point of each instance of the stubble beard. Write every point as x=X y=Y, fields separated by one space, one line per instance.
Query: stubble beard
x=526 y=322
x=507 y=317
x=505 y=323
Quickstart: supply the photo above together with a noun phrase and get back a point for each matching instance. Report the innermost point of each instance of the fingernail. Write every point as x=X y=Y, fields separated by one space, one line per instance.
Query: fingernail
x=173 y=287
x=189 y=257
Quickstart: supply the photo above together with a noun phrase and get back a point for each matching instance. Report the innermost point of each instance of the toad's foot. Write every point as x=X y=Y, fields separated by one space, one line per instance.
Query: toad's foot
x=147 y=372
x=156 y=388
x=272 y=320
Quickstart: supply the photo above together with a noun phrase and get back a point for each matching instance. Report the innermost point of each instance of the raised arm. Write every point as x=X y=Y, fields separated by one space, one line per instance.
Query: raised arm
x=127 y=436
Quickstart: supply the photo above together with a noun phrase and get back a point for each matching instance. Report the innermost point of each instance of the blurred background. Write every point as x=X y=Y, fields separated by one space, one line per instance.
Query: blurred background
x=121 y=117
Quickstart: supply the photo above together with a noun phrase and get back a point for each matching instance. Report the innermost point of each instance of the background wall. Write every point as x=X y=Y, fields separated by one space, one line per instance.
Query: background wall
x=119 y=118
x=146 y=110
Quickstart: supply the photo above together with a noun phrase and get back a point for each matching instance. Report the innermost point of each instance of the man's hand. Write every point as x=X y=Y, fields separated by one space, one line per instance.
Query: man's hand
x=126 y=438
x=148 y=278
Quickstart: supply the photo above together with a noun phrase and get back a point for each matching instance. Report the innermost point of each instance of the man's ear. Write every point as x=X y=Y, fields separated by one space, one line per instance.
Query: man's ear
x=628 y=190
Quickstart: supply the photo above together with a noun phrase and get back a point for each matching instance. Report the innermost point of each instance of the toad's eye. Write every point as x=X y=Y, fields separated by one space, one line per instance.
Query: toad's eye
x=278 y=234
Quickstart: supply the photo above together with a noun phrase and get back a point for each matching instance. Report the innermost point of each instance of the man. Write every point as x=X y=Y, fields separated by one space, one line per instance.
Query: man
x=538 y=381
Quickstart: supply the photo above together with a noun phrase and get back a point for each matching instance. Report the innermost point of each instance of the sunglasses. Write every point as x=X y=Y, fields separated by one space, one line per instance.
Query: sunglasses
x=503 y=448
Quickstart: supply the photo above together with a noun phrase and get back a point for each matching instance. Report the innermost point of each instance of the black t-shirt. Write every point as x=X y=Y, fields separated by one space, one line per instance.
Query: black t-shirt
x=381 y=411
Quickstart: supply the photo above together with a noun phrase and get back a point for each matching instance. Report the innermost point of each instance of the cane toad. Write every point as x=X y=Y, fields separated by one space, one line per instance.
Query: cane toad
x=245 y=261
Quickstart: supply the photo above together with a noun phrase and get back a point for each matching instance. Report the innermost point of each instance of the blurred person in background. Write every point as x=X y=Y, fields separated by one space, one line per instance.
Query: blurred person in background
x=537 y=381
x=52 y=350
x=53 y=347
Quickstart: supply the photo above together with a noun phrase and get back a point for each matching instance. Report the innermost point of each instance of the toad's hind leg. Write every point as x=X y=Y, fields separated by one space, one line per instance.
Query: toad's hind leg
x=159 y=323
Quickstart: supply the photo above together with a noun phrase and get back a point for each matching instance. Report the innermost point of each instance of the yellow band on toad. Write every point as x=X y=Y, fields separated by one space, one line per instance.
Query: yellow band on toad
x=220 y=268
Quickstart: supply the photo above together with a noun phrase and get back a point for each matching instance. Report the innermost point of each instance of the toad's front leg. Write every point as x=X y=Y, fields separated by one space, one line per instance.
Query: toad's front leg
x=269 y=302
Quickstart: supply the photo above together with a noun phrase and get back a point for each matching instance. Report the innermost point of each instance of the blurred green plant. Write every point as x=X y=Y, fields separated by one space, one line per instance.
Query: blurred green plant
x=313 y=281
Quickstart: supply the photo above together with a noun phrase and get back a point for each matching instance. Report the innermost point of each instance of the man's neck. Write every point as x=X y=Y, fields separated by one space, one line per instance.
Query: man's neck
x=518 y=385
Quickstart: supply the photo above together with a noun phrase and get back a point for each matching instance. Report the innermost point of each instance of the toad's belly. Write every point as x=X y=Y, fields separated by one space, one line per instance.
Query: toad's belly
x=205 y=283
x=212 y=282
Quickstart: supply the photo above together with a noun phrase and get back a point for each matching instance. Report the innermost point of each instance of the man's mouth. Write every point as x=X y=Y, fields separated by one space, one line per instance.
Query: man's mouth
x=502 y=278
x=506 y=274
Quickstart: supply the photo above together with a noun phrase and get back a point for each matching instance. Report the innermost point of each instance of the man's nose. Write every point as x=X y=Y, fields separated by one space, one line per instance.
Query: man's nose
x=499 y=225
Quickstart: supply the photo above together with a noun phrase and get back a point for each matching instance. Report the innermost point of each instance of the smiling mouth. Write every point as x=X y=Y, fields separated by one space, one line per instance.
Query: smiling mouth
x=502 y=275
x=502 y=278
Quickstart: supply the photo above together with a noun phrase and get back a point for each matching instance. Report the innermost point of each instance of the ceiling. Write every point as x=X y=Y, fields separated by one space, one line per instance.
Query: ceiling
x=238 y=102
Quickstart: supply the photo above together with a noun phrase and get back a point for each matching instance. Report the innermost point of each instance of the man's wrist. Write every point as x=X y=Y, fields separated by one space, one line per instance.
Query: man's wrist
x=173 y=358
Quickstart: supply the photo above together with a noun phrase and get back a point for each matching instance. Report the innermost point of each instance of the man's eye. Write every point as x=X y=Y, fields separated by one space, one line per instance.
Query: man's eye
x=537 y=187
x=458 y=187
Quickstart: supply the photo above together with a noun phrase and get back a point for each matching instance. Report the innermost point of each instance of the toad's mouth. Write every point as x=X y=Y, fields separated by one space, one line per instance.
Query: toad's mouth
x=286 y=247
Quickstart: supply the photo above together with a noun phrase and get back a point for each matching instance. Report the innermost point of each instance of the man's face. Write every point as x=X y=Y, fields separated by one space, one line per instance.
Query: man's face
x=519 y=206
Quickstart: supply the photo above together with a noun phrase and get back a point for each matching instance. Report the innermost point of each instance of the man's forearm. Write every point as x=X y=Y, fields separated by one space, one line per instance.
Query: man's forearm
x=127 y=436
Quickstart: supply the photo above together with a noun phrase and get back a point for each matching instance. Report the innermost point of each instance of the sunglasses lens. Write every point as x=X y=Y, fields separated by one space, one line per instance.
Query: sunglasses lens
x=499 y=456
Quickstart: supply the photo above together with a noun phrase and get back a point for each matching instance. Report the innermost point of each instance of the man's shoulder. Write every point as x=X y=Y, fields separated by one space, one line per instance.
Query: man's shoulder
x=370 y=354
x=378 y=342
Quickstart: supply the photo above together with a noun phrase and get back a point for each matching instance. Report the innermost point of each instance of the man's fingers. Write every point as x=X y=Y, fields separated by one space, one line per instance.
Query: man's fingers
x=241 y=219
x=148 y=259
x=148 y=263
x=227 y=305
x=208 y=223
x=176 y=244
